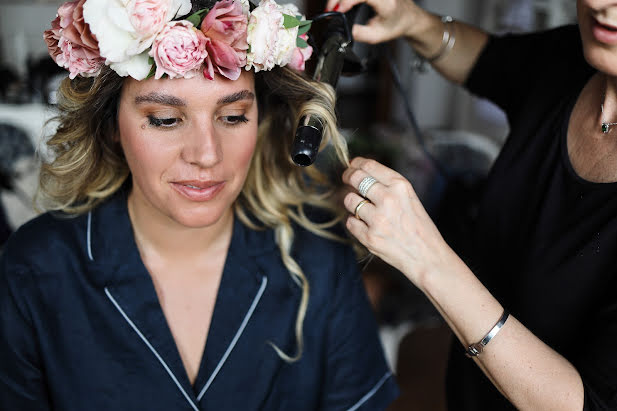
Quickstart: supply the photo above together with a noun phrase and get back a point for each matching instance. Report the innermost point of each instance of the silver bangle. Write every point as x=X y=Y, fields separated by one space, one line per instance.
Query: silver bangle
x=448 y=39
x=476 y=349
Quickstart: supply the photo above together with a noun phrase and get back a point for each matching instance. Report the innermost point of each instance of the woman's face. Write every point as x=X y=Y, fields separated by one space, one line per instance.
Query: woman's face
x=598 y=25
x=188 y=144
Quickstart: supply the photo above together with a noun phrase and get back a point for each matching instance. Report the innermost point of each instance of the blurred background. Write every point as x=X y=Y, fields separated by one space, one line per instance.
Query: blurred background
x=461 y=137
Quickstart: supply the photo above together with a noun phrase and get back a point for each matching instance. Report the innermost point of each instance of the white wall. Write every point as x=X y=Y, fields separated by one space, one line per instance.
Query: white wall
x=21 y=32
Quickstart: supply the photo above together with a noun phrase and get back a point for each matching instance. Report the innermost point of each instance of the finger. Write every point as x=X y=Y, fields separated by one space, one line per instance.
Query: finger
x=346 y=5
x=373 y=193
x=331 y=4
x=365 y=212
x=372 y=32
x=382 y=173
x=347 y=173
x=358 y=229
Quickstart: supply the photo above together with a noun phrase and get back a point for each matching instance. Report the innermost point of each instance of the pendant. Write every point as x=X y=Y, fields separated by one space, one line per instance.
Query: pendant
x=605 y=128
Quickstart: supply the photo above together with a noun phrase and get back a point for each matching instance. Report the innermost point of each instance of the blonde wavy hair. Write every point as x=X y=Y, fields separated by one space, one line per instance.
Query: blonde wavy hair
x=88 y=165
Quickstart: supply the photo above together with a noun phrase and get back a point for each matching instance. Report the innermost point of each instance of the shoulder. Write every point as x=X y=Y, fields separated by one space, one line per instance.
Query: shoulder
x=48 y=238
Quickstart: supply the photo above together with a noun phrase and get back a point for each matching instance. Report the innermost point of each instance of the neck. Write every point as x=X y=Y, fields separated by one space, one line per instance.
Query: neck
x=160 y=236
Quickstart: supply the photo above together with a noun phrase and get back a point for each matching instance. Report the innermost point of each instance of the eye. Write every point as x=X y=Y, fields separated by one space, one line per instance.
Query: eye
x=234 y=120
x=163 y=122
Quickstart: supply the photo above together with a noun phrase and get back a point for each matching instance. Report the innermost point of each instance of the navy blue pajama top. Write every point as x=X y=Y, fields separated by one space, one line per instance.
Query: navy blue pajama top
x=81 y=327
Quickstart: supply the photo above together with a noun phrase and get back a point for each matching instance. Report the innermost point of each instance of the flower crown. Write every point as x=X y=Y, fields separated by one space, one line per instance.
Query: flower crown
x=145 y=38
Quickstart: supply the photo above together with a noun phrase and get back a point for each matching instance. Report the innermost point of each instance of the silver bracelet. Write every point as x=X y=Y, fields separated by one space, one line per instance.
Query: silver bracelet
x=476 y=349
x=448 y=39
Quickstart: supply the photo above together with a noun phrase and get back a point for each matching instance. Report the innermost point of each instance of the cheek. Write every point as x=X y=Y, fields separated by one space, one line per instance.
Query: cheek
x=144 y=156
x=243 y=153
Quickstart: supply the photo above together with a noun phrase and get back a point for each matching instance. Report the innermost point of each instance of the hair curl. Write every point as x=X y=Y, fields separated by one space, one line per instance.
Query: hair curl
x=88 y=164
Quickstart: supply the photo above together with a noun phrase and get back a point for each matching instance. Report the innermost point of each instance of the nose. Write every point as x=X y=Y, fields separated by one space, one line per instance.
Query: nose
x=202 y=147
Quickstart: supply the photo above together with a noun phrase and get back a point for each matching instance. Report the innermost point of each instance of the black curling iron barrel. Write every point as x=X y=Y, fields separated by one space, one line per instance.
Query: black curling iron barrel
x=330 y=61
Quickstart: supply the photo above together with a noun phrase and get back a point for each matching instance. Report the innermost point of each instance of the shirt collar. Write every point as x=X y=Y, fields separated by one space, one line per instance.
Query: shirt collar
x=113 y=252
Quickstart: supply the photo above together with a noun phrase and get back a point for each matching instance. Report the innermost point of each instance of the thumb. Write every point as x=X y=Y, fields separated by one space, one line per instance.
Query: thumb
x=370 y=33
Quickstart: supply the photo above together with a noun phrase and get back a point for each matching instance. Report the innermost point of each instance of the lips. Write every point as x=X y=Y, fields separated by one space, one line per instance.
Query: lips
x=604 y=32
x=198 y=190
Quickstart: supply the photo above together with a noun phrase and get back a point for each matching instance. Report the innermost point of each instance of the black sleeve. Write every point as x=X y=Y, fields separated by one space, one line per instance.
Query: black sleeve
x=597 y=362
x=22 y=383
x=357 y=377
x=513 y=67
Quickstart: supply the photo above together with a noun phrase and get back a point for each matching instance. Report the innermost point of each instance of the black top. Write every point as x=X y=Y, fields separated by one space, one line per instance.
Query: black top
x=546 y=243
x=81 y=327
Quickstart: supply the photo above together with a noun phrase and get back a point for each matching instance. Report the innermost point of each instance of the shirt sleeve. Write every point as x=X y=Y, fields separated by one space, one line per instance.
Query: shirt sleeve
x=22 y=383
x=512 y=67
x=357 y=376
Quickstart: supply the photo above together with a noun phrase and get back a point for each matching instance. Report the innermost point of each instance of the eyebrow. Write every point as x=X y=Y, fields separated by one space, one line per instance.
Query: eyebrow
x=240 y=95
x=168 y=100
x=159 y=98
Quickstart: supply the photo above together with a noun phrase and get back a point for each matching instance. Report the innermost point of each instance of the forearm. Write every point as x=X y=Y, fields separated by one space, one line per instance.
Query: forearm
x=527 y=372
x=426 y=37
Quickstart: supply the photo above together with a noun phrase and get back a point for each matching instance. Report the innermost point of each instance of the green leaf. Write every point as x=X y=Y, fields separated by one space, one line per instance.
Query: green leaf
x=290 y=21
x=151 y=60
x=305 y=22
x=152 y=71
x=304 y=29
x=197 y=17
x=301 y=43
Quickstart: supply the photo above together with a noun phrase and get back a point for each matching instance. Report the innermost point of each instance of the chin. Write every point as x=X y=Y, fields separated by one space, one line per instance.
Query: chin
x=200 y=218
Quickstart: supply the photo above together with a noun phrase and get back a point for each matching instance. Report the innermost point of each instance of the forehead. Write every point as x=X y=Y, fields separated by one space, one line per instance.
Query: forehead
x=196 y=90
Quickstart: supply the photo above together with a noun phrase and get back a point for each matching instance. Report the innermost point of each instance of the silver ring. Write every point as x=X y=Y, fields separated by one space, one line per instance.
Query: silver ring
x=365 y=185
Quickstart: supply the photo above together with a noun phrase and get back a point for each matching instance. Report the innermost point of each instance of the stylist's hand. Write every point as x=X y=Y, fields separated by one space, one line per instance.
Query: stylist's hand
x=394 y=18
x=394 y=225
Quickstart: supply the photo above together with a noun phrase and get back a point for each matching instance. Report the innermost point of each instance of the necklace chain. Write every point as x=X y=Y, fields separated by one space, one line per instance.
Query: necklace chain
x=605 y=127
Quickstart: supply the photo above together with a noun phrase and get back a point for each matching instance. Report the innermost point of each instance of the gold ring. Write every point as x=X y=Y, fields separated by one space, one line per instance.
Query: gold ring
x=359 y=206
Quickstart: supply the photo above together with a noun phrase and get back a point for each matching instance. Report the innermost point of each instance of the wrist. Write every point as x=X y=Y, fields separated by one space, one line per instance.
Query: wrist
x=426 y=33
x=446 y=272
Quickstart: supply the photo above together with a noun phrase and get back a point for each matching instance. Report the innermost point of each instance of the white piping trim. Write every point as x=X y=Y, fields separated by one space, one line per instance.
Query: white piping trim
x=156 y=354
x=371 y=392
x=89 y=237
x=247 y=317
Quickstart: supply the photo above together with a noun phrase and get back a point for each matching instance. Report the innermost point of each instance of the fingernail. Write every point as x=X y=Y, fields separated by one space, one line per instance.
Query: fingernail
x=335 y=7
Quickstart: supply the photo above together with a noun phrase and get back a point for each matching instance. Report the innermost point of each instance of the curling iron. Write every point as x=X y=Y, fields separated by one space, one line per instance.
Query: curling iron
x=335 y=53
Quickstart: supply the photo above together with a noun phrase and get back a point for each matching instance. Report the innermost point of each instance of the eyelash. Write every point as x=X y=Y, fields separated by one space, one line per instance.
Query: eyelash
x=171 y=122
x=235 y=120
x=163 y=122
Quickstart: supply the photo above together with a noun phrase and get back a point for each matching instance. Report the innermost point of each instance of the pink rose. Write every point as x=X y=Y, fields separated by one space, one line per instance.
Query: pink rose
x=70 y=42
x=300 y=55
x=79 y=60
x=75 y=28
x=52 y=37
x=225 y=27
x=148 y=16
x=179 y=50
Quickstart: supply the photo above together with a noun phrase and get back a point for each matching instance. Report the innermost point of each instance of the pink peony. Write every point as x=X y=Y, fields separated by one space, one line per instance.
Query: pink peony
x=179 y=50
x=148 y=16
x=300 y=56
x=70 y=42
x=225 y=27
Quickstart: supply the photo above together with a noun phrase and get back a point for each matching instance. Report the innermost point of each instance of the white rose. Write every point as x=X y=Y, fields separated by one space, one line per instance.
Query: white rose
x=246 y=7
x=270 y=43
x=126 y=28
